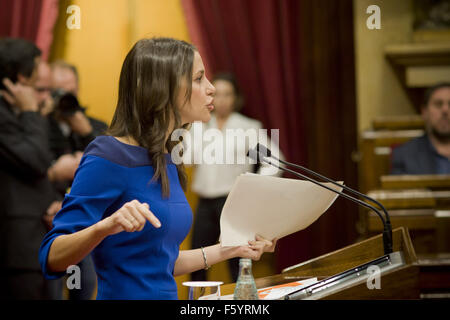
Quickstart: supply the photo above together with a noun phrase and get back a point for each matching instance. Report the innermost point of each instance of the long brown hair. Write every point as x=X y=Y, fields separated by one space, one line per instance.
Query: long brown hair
x=149 y=85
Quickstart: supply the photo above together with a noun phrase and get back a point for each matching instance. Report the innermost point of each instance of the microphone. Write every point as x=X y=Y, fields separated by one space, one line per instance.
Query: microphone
x=260 y=154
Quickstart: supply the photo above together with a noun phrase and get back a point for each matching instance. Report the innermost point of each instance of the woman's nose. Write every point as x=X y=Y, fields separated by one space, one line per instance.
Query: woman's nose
x=211 y=90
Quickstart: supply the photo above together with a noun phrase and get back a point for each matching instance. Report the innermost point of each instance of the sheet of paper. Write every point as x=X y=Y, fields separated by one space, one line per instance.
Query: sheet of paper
x=272 y=207
x=279 y=291
x=270 y=293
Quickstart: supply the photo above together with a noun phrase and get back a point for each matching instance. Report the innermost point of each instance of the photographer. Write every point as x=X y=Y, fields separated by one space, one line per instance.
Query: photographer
x=63 y=167
x=70 y=131
x=26 y=193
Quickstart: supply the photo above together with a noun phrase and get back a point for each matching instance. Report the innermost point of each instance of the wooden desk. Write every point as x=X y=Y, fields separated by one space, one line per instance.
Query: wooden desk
x=403 y=122
x=434 y=275
x=413 y=219
x=426 y=213
x=429 y=181
x=429 y=228
x=412 y=198
x=401 y=283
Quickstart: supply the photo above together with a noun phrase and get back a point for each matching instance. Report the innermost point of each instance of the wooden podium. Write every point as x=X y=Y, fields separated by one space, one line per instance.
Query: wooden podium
x=401 y=282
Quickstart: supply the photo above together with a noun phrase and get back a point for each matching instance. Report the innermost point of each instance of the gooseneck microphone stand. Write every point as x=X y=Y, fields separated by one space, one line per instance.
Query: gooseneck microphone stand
x=387 y=262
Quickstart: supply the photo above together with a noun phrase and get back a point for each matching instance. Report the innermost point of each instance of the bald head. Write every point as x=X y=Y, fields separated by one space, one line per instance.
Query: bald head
x=64 y=77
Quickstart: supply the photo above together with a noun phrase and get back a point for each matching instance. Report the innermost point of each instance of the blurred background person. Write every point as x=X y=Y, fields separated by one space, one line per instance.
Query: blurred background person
x=70 y=131
x=63 y=167
x=429 y=154
x=43 y=88
x=213 y=182
x=26 y=193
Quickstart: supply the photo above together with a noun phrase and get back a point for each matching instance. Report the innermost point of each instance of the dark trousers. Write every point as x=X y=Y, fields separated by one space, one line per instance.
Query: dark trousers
x=88 y=281
x=25 y=285
x=31 y=285
x=206 y=232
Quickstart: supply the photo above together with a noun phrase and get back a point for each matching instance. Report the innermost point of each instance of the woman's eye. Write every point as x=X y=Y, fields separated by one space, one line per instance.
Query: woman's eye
x=199 y=79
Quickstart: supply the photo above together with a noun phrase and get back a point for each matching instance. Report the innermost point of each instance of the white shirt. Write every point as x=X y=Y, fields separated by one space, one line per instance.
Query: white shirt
x=215 y=175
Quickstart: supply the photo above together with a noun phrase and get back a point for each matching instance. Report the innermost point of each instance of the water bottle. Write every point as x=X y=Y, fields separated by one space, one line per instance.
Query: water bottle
x=245 y=285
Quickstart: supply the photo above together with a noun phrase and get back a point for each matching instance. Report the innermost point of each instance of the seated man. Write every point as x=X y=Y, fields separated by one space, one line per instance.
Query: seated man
x=429 y=154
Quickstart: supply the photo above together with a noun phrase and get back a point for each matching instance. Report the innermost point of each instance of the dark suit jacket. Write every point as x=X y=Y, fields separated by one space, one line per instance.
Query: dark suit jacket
x=25 y=191
x=414 y=157
x=59 y=144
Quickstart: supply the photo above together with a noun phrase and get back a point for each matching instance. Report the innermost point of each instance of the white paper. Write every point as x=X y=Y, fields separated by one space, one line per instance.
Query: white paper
x=270 y=293
x=272 y=207
x=279 y=291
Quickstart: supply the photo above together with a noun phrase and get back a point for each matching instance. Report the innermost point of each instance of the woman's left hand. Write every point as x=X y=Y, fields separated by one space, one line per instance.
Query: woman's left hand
x=257 y=247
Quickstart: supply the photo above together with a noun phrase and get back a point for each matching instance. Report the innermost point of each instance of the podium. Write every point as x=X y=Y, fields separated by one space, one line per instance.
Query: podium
x=397 y=281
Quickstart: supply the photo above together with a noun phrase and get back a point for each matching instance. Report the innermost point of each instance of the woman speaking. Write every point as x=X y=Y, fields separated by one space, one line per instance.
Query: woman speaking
x=127 y=204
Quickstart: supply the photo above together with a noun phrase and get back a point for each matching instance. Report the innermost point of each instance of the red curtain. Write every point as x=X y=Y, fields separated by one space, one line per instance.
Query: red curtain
x=258 y=42
x=29 y=19
x=294 y=61
x=329 y=98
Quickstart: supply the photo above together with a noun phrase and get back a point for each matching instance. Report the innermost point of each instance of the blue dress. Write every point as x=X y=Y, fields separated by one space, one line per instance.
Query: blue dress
x=129 y=265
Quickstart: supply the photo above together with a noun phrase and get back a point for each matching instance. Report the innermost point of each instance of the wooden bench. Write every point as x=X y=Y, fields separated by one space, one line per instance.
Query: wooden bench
x=405 y=122
x=426 y=214
x=376 y=149
x=428 y=181
x=434 y=275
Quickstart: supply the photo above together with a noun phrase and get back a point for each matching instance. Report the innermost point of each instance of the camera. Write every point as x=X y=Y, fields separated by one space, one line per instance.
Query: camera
x=66 y=104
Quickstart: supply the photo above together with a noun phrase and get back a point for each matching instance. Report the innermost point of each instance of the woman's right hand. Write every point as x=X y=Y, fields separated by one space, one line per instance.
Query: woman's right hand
x=131 y=217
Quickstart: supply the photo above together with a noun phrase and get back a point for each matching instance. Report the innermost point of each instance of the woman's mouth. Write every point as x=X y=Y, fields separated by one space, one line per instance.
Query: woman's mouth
x=210 y=106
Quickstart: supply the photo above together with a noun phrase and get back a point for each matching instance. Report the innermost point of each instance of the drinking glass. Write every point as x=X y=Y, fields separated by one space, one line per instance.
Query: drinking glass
x=203 y=290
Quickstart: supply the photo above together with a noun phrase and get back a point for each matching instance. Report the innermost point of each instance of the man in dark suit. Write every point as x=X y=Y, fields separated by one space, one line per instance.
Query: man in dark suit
x=25 y=190
x=429 y=154
x=70 y=131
